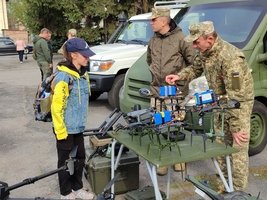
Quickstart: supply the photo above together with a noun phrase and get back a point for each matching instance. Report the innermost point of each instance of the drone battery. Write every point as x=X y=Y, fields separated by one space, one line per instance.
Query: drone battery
x=162 y=117
x=205 y=97
x=165 y=91
x=158 y=118
x=98 y=172
x=167 y=116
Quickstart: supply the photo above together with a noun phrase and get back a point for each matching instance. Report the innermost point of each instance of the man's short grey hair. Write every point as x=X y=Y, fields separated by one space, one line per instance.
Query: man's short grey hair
x=45 y=30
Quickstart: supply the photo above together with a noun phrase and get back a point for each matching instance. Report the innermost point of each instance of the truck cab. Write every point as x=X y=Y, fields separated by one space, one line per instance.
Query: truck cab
x=111 y=62
x=243 y=23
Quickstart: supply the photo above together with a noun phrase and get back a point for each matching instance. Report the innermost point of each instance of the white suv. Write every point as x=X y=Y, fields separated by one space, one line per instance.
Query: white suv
x=111 y=62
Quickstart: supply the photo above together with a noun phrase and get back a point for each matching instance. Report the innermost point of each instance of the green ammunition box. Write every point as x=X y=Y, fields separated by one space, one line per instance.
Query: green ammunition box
x=145 y=193
x=98 y=172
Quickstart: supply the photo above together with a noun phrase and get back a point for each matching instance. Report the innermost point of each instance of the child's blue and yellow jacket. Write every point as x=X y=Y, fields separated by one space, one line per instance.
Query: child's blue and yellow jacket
x=69 y=107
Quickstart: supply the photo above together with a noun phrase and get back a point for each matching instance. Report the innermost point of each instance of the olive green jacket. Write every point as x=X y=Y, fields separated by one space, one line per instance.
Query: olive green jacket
x=42 y=52
x=168 y=54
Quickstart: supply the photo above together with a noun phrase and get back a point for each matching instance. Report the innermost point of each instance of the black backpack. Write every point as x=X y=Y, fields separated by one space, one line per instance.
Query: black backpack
x=43 y=99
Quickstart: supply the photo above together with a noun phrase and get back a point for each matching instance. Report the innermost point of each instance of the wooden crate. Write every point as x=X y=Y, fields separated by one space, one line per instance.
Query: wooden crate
x=98 y=142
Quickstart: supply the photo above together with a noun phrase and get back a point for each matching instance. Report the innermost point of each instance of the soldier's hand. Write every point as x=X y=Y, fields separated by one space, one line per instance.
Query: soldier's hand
x=171 y=79
x=240 y=137
x=50 y=65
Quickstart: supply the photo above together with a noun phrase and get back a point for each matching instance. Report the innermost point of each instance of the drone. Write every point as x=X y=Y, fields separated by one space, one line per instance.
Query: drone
x=206 y=102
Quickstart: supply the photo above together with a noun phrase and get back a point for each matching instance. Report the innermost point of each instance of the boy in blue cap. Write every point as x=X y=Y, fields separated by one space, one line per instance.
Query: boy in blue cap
x=69 y=114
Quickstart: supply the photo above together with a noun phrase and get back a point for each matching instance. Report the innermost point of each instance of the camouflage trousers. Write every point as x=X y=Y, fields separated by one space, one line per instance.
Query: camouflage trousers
x=239 y=160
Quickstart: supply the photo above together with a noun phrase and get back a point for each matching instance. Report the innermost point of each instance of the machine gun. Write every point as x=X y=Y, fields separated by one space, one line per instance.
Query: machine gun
x=215 y=196
x=69 y=166
x=106 y=125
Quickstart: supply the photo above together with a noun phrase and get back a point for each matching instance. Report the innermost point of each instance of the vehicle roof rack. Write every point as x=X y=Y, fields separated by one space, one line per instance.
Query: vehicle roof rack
x=171 y=4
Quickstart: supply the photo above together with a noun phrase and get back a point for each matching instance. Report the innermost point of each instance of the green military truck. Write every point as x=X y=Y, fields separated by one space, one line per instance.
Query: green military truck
x=240 y=22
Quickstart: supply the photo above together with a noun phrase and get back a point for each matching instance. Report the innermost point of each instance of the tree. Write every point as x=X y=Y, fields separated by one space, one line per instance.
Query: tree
x=84 y=15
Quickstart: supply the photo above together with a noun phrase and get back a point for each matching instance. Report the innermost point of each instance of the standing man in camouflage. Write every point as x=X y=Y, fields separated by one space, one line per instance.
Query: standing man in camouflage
x=228 y=74
x=167 y=53
x=42 y=52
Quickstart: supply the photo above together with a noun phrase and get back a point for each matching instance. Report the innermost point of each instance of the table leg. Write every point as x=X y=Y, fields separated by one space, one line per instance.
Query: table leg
x=113 y=144
x=229 y=171
x=226 y=185
x=118 y=157
x=153 y=175
x=114 y=163
x=168 y=182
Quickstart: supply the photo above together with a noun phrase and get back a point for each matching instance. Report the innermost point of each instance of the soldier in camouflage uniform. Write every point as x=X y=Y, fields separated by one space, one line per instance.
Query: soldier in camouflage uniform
x=167 y=53
x=228 y=74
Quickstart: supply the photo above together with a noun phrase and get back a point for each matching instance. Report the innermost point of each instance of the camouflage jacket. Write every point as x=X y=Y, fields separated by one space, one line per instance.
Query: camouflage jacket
x=227 y=73
x=167 y=54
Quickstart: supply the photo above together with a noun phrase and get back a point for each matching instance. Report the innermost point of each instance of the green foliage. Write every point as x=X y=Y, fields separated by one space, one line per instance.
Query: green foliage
x=91 y=35
x=61 y=15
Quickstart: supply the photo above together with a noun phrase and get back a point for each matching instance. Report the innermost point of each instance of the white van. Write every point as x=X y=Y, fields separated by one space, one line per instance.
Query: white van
x=111 y=62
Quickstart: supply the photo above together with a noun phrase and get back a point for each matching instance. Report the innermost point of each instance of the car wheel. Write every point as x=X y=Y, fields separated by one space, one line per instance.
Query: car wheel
x=94 y=95
x=113 y=95
x=258 y=130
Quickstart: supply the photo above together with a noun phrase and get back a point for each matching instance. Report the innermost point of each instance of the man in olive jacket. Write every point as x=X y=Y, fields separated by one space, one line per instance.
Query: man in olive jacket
x=167 y=53
x=42 y=52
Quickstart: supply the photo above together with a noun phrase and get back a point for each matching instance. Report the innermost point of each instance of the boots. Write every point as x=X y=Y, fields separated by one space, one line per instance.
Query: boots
x=161 y=171
x=179 y=167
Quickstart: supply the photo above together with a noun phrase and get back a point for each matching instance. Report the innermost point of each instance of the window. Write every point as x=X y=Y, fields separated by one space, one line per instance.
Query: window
x=230 y=20
x=138 y=31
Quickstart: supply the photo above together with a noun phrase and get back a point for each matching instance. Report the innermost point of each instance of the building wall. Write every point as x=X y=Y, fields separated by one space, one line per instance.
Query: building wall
x=14 y=31
x=3 y=17
x=17 y=35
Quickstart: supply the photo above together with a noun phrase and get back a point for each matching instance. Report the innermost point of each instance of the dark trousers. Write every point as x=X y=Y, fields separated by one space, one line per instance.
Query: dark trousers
x=21 y=53
x=68 y=182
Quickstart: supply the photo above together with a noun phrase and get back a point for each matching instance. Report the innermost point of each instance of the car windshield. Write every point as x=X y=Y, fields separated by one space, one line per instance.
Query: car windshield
x=136 y=32
x=235 y=23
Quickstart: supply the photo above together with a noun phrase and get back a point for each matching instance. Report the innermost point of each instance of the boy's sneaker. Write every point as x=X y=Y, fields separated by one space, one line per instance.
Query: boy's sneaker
x=68 y=196
x=82 y=194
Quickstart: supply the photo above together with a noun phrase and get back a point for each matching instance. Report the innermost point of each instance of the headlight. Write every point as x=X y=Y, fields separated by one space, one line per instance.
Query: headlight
x=100 y=65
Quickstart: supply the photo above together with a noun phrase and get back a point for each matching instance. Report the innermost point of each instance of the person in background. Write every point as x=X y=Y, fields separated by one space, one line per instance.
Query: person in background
x=69 y=111
x=72 y=33
x=20 y=46
x=229 y=76
x=167 y=53
x=42 y=52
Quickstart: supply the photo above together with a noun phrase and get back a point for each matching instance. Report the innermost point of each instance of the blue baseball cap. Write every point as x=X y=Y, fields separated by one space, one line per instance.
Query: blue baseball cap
x=79 y=45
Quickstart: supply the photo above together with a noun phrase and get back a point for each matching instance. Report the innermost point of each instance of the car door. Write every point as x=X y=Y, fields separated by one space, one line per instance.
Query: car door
x=7 y=46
